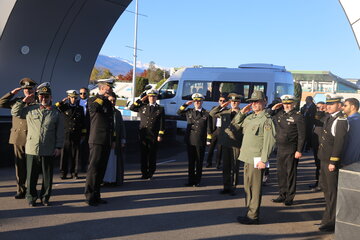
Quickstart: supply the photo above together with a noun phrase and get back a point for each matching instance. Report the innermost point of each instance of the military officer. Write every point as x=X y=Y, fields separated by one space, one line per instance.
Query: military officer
x=44 y=141
x=18 y=132
x=101 y=132
x=84 y=142
x=332 y=140
x=290 y=138
x=230 y=138
x=74 y=127
x=197 y=135
x=151 y=130
x=258 y=141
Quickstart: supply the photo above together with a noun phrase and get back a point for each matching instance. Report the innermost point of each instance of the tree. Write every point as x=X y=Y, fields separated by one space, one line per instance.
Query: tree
x=297 y=94
x=155 y=74
x=100 y=73
x=141 y=82
x=127 y=77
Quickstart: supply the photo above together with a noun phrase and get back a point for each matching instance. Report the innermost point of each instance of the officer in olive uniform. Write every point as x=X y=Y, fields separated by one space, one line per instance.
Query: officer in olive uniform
x=290 y=138
x=258 y=141
x=73 y=128
x=101 y=132
x=151 y=130
x=330 y=152
x=197 y=135
x=18 y=133
x=230 y=138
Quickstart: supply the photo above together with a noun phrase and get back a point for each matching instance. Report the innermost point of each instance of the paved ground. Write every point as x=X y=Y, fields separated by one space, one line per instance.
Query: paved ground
x=162 y=208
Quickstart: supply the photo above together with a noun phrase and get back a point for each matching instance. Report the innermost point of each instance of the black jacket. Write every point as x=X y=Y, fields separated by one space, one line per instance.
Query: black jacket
x=74 y=119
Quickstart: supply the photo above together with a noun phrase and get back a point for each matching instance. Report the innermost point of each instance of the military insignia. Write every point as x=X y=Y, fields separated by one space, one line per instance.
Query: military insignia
x=44 y=89
x=267 y=126
x=144 y=111
x=290 y=119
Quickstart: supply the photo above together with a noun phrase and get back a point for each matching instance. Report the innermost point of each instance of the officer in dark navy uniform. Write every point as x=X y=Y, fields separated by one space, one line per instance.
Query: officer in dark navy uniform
x=151 y=130
x=197 y=135
x=290 y=139
x=101 y=132
x=330 y=152
x=74 y=127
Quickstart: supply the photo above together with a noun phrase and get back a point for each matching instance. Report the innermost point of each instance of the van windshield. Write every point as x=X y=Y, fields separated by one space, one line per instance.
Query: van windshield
x=245 y=89
x=168 y=90
x=203 y=87
x=283 y=88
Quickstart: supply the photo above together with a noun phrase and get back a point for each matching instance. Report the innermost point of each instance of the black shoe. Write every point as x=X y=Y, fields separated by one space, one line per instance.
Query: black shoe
x=20 y=196
x=91 y=203
x=45 y=203
x=144 y=177
x=288 y=202
x=327 y=228
x=76 y=176
x=218 y=167
x=225 y=191
x=316 y=189
x=232 y=193
x=247 y=220
x=101 y=201
x=189 y=184
x=278 y=200
x=32 y=204
x=197 y=185
x=209 y=165
x=63 y=177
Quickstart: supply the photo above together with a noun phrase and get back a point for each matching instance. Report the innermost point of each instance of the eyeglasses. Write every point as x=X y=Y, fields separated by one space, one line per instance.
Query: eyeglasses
x=83 y=93
x=221 y=100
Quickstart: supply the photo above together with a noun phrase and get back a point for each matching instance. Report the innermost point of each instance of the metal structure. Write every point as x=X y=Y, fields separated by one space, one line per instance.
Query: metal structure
x=54 y=41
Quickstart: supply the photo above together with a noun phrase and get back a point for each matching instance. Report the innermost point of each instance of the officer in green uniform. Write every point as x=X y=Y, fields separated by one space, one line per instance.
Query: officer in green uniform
x=331 y=147
x=18 y=133
x=258 y=142
x=229 y=138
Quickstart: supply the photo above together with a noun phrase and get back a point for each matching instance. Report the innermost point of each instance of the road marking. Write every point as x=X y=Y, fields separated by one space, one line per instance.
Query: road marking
x=173 y=160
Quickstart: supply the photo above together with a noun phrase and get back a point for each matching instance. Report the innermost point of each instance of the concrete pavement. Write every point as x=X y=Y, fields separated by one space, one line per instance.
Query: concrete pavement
x=161 y=208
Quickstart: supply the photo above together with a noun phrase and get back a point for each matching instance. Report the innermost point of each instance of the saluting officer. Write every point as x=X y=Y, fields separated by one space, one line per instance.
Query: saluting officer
x=229 y=138
x=73 y=128
x=151 y=130
x=330 y=152
x=18 y=132
x=101 y=132
x=197 y=135
x=290 y=138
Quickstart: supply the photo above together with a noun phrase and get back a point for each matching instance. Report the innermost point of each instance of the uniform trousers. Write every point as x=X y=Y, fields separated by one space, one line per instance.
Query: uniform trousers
x=286 y=172
x=20 y=168
x=230 y=167
x=148 y=148
x=214 y=145
x=35 y=166
x=84 y=153
x=329 y=184
x=196 y=155
x=99 y=155
x=253 y=190
x=315 y=146
x=70 y=155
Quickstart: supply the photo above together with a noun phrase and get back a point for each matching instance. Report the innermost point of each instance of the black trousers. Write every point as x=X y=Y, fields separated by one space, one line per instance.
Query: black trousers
x=286 y=171
x=148 y=151
x=329 y=184
x=195 y=157
x=20 y=168
x=99 y=156
x=230 y=167
x=315 y=146
x=214 y=145
x=84 y=153
x=70 y=159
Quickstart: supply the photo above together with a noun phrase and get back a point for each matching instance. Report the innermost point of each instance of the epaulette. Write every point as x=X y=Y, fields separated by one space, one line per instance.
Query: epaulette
x=342 y=118
x=267 y=115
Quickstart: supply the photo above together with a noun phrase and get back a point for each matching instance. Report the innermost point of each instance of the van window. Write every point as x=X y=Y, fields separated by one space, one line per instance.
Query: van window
x=243 y=88
x=168 y=90
x=283 y=88
x=203 y=87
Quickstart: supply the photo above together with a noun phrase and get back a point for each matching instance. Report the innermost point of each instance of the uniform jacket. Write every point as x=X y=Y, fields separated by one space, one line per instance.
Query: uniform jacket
x=318 y=125
x=259 y=136
x=308 y=113
x=119 y=131
x=101 y=114
x=290 y=130
x=229 y=134
x=199 y=125
x=332 y=138
x=45 y=128
x=18 y=131
x=152 y=124
x=74 y=119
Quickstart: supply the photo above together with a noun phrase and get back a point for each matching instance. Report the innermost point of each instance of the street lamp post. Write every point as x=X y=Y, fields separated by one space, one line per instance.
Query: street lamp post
x=135 y=52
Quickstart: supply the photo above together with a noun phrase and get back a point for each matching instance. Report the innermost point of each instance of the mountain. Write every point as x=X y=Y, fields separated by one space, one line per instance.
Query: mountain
x=116 y=65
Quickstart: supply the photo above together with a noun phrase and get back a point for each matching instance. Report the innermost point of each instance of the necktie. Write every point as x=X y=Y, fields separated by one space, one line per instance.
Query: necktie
x=151 y=108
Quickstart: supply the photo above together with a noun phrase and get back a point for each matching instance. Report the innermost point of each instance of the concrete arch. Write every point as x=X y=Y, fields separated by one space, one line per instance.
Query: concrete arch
x=55 y=41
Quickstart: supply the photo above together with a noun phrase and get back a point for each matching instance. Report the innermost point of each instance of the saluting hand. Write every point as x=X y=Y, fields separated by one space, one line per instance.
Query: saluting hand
x=15 y=91
x=277 y=106
x=144 y=98
x=66 y=98
x=29 y=98
x=225 y=104
x=246 y=109
x=189 y=102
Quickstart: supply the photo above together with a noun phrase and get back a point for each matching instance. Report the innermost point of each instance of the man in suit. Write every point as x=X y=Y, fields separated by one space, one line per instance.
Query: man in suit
x=308 y=111
x=84 y=142
x=197 y=135
x=330 y=153
x=18 y=132
x=230 y=138
x=74 y=127
x=290 y=137
x=102 y=126
x=151 y=130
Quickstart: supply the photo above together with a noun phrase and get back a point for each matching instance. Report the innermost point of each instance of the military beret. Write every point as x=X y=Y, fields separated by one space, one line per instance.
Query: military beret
x=287 y=98
x=333 y=98
x=234 y=97
x=27 y=83
x=197 y=97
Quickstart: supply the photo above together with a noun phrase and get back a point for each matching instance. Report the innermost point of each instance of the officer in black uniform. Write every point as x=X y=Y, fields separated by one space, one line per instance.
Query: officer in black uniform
x=197 y=135
x=74 y=126
x=101 y=130
x=290 y=138
x=151 y=130
x=331 y=146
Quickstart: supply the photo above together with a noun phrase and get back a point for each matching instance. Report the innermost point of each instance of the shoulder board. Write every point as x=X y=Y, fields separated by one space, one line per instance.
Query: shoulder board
x=342 y=118
x=267 y=115
x=298 y=113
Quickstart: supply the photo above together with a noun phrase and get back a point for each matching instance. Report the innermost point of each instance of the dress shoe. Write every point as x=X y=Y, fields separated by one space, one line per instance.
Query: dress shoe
x=278 y=200
x=209 y=165
x=197 y=185
x=144 y=177
x=32 y=204
x=20 y=196
x=288 y=202
x=76 y=176
x=218 y=167
x=45 y=203
x=327 y=228
x=247 y=221
x=232 y=193
x=189 y=184
x=63 y=177
x=101 y=201
x=225 y=191
x=91 y=203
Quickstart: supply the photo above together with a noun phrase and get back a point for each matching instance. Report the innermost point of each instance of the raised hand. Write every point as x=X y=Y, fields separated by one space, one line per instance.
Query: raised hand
x=29 y=98
x=225 y=104
x=189 y=102
x=246 y=109
x=277 y=106
x=16 y=90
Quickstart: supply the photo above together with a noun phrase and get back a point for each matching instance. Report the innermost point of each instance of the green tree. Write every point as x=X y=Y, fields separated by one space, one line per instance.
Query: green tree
x=297 y=95
x=100 y=73
x=141 y=82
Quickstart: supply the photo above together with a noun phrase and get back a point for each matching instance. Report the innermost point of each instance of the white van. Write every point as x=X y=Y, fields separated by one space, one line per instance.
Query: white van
x=213 y=82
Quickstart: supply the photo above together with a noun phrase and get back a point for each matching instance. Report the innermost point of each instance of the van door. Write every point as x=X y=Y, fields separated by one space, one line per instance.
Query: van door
x=168 y=97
